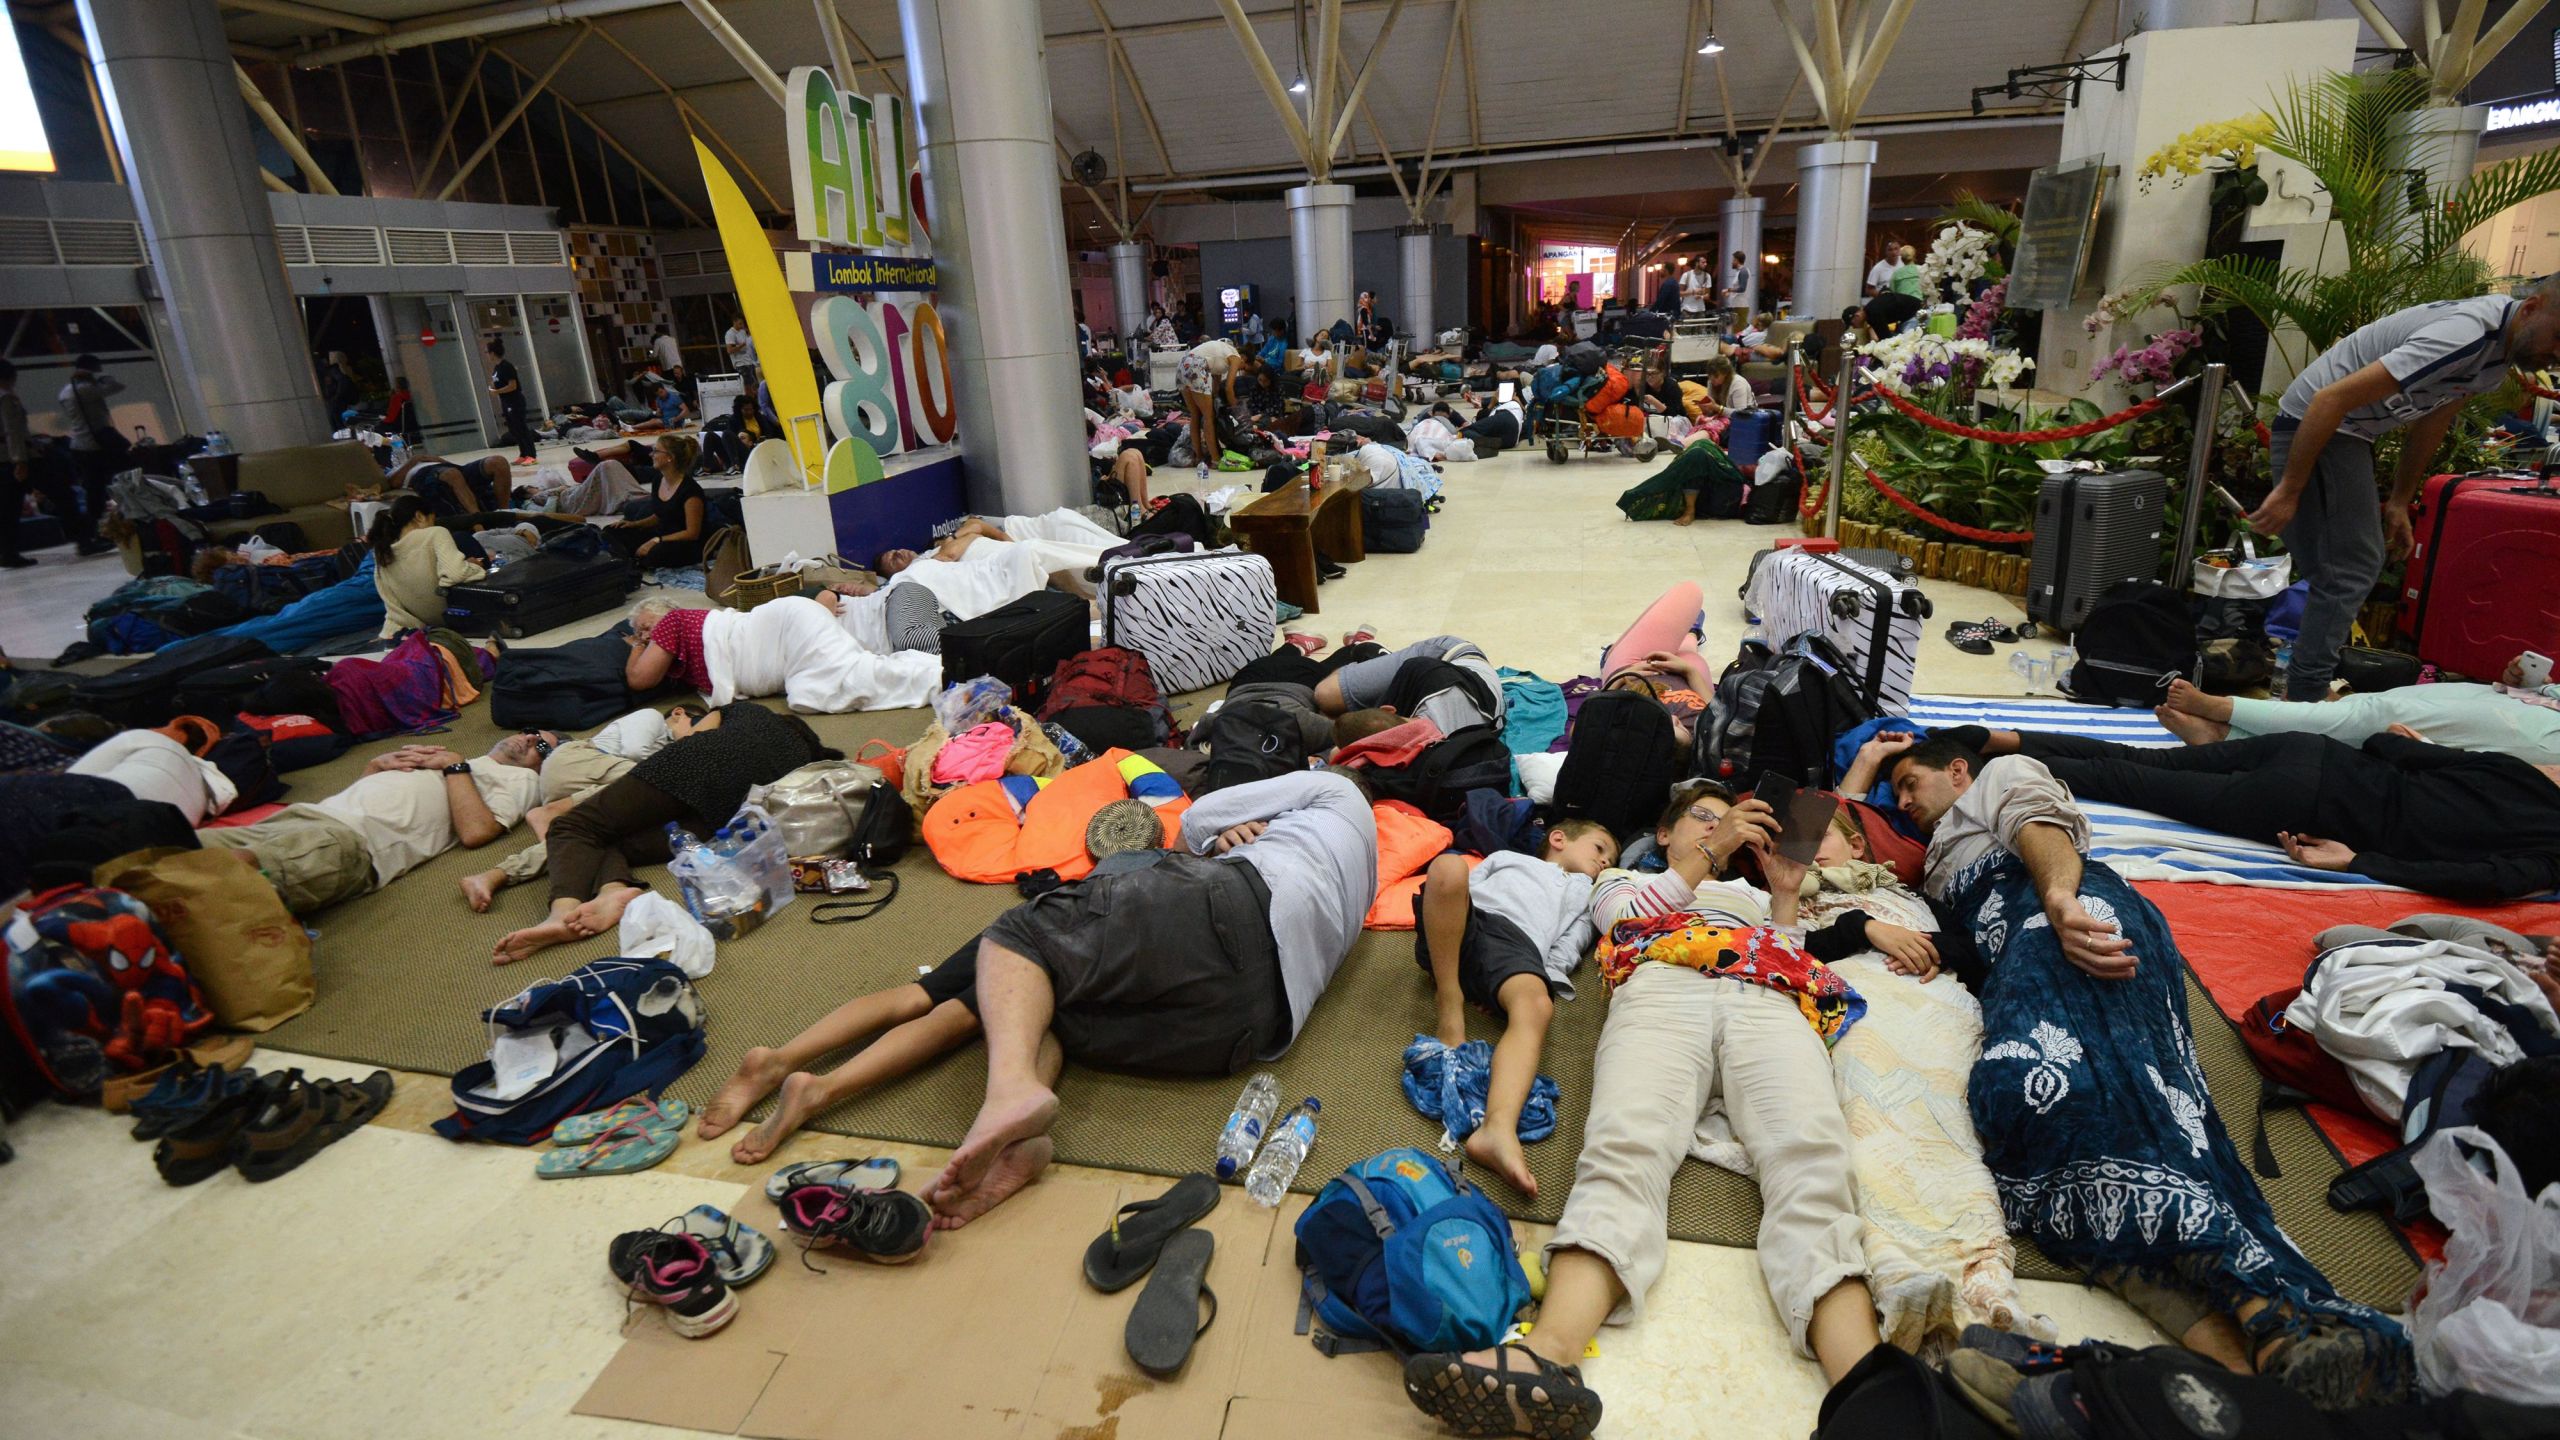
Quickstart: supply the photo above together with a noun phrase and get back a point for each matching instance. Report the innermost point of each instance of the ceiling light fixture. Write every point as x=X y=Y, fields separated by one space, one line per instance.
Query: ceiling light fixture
x=1712 y=45
x=1299 y=85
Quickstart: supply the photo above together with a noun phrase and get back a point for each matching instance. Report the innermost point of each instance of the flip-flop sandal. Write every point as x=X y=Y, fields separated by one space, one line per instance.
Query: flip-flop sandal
x=202 y=1147
x=739 y=1252
x=1138 y=1234
x=1166 y=1320
x=623 y=1151
x=333 y=1110
x=851 y=1173
x=1477 y=1400
x=638 y=1110
x=1973 y=637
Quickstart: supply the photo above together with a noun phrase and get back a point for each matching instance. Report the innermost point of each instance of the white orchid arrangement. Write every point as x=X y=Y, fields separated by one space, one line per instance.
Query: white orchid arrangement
x=1916 y=362
x=1961 y=253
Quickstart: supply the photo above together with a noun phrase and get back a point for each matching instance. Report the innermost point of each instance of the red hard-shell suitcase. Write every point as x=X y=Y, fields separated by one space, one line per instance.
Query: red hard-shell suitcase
x=2484 y=583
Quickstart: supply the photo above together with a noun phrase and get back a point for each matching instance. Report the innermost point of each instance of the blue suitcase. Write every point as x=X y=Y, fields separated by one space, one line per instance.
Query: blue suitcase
x=1748 y=435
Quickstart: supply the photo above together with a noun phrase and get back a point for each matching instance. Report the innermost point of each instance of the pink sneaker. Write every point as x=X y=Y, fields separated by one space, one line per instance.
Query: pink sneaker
x=1310 y=645
x=1361 y=635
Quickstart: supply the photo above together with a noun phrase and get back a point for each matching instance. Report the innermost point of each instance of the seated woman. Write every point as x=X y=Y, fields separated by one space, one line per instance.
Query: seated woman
x=671 y=535
x=415 y=560
x=1724 y=392
x=791 y=647
x=698 y=780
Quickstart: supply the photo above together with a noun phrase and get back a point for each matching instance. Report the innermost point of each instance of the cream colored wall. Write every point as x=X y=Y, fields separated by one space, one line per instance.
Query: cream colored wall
x=2176 y=80
x=2522 y=239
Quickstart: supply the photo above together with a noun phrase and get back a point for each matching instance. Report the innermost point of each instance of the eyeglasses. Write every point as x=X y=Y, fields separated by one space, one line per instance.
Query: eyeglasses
x=541 y=747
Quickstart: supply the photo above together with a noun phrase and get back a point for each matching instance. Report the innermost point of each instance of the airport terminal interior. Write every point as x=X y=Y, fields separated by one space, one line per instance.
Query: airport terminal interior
x=1234 y=719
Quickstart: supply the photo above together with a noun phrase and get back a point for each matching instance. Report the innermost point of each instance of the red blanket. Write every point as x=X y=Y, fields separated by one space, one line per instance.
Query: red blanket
x=2244 y=941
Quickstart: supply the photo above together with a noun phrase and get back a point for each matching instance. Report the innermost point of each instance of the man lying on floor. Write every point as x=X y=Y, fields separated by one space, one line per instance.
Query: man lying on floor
x=2089 y=1100
x=1445 y=680
x=793 y=647
x=2511 y=717
x=1197 y=961
x=412 y=805
x=2463 y=824
x=572 y=771
x=970 y=573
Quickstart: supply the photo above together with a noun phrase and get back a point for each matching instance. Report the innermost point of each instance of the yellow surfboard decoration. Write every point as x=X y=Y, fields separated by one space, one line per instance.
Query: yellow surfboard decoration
x=772 y=318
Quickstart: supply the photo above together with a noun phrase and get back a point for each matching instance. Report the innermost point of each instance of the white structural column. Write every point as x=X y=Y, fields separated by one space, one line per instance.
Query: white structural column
x=1741 y=215
x=980 y=85
x=1129 y=289
x=1413 y=248
x=1831 y=224
x=1320 y=255
x=2441 y=140
x=165 y=72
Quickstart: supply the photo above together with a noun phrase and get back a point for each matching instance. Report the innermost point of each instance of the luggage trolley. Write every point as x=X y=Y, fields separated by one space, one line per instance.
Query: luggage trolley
x=1695 y=342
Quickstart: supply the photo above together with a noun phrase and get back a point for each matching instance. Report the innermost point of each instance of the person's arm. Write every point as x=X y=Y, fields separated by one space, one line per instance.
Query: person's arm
x=2496 y=877
x=1845 y=936
x=472 y=822
x=452 y=566
x=694 y=510
x=2417 y=456
x=2053 y=860
x=1264 y=801
x=648 y=667
x=1870 y=760
x=2329 y=407
x=2415 y=755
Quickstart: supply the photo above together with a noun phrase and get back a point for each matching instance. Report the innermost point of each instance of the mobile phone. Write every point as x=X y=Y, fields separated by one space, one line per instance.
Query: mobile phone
x=2535 y=668
x=1502 y=393
x=1802 y=814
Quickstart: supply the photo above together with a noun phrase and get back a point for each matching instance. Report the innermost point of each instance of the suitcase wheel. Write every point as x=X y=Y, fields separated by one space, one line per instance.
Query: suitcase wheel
x=1845 y=604
x=1916 y=605
x=1555 y=452
x=1646 y=449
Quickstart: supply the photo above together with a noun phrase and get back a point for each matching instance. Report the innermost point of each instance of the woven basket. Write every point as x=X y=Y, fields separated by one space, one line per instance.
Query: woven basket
x=765 y=582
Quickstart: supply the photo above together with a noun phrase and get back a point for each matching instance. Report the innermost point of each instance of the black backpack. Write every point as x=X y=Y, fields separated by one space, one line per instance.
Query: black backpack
x=2138 y=637
x=1179 y=515
x=1249 y=738
x=883 y=829
x=562 y=687
x=1583 y=358
x=1774 y=503
x=1777 y=712
x=1393 y=522
x=146 y=694
x=1441 y=778
x=1620 y=768
x=225 y=691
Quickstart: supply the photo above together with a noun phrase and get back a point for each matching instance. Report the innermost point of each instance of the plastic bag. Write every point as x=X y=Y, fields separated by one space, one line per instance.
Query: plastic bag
x=2487 y=1316
x=971 y=703
x=737 y=879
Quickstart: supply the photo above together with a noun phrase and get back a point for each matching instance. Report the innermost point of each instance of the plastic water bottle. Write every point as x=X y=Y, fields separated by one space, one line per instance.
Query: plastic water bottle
x=399 y=451
x=2283 y=663
x=1245 y=1127
x=216 y=443
x=1281 y=1156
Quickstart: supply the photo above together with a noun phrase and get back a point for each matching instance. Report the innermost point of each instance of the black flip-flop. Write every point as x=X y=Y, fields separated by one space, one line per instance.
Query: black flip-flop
x=1973 y=637
x=1166 y=1320
x=1121 y=1255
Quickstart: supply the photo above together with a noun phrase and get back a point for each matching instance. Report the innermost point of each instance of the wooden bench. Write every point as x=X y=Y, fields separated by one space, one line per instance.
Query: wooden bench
x=1288 y=526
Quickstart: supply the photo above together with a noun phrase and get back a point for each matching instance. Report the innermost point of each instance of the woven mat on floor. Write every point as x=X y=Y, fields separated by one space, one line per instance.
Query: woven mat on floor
x=404 y=973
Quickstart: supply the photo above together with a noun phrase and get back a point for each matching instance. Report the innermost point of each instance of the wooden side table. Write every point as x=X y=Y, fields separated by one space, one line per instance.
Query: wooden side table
x=1288 y=526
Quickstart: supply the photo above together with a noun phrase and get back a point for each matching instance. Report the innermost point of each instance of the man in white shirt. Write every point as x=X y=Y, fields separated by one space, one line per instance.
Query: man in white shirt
x=1697 y=288
x=412 y=805
x=1880 y=274
x=669 y=355
x=741 y=345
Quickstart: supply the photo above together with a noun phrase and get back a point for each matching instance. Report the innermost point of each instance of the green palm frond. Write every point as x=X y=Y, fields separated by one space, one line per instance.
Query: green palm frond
x=1971 y=209
x=2502 y=186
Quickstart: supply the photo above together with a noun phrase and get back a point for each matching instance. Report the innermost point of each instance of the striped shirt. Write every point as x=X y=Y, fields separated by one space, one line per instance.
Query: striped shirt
x=2441 y=353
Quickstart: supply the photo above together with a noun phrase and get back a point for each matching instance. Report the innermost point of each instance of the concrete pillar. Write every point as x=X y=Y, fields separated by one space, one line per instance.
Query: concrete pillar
x=1129 y=289
x=1741 y=231
x=981 y=91
x=1831 y=224
x=165 y=72
x=2443 y=141
x=1320 y=255
x=1413 y=247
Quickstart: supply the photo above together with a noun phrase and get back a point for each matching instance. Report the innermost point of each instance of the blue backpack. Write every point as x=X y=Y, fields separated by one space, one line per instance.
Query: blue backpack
x=602 y=1033
x=1397 y=1252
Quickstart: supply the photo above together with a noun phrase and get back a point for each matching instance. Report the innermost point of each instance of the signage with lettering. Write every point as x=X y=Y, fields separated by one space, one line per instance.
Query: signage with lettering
x=2524 y=114
x=888 y=356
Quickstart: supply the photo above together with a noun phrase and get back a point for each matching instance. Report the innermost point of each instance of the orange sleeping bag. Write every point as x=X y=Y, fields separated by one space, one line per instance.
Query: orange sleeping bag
x=976 y=834
x=1408 y=841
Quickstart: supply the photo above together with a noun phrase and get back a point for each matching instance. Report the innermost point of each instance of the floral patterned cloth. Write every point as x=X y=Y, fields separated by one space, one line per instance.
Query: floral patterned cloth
x=1759 y=955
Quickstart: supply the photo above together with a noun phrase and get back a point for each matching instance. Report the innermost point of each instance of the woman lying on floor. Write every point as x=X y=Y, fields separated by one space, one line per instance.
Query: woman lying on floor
x=698 y=779
x=792 y=647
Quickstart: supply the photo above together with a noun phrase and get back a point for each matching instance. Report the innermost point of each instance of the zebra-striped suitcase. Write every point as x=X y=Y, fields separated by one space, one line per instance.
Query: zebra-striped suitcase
x=1198 y=618
x=1871 y=617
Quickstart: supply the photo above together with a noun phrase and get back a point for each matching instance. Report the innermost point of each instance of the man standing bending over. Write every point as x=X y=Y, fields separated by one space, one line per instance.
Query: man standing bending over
x=1197 y=961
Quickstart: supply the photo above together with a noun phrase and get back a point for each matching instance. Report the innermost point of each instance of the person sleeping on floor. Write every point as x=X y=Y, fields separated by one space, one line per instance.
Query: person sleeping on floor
x=2518 y=716
x=794 y=647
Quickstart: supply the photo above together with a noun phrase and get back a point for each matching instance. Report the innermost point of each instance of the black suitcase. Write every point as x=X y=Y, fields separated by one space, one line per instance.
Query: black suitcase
x=1019 y=644
x=147 y=694
x=1393 y=522
x=223 y=692
x=2093 y=533
x=538 y=592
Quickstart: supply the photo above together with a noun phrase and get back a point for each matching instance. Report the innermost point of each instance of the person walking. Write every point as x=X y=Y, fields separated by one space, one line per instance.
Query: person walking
x=97 y=446
x=2411 y=369
x=509 y=393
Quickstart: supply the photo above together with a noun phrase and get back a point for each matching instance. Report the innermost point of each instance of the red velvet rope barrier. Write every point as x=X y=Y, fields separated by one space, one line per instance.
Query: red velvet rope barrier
x=1969 y=532
x=1808 y=499
x=2530 y=388
x=2018 y=437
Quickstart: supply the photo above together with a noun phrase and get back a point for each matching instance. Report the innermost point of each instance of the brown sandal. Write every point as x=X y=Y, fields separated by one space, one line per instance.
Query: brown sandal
x=1547 y=1402
x=302 y=1119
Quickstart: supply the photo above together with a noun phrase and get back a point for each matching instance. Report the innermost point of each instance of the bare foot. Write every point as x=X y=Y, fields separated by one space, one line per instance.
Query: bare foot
x=1500 y=1153
x=798 y=1098
x=1017 y=1165
x=2184 y=696
x=522 y=943
x=758 y=1073
x=1020 y=1114
x=2194 y=729
x=603 y=912
x=481 y=890
x=1684 y=519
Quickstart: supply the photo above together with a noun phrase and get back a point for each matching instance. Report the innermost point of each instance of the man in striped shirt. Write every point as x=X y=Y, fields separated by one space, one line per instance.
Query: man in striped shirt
x=2412 y=368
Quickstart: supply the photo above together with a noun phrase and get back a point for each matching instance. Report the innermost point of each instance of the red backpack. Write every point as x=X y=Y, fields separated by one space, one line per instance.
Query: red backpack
x=1109 y=677
x=94 y=989
x=2296 y=1069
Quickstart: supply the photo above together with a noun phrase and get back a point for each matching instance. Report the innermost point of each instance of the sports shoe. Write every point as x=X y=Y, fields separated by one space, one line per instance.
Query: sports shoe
x=739 y=1252
x=1310 y=645
x=1360 y=635
x=675 y=1271
x=527 y=460
x=886 y=1226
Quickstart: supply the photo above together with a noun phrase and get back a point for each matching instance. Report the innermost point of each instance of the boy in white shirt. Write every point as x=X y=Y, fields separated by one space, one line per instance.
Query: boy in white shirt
x=1508 y=937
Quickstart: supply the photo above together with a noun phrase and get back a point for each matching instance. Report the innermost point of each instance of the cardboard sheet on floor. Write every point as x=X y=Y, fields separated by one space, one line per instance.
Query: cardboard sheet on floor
x=993 y=1333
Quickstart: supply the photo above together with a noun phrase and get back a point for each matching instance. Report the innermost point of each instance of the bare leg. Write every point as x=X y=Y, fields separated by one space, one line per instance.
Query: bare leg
x=1688 y=509
x=480 y=890
x=1496 y=1143
x=605 y=911
x=2186 y=697
x=1581 y=1291
x=763 y=1068
x=1843 y=1328
x=2189 y=727
x=1015 y=1003
x=555 y=931
x=1444 y=931
x=1131 y=470
x=946 y=1028
x=2219 y=1338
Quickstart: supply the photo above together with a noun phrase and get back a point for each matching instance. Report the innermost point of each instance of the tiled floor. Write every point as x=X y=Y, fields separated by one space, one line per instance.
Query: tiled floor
x=401 y=1286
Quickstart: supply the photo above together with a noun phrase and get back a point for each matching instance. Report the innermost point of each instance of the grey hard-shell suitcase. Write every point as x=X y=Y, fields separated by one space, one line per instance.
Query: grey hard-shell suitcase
x=2093 y=532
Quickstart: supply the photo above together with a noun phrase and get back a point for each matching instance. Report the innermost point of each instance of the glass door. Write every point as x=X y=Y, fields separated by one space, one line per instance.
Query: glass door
x=501 y=318
x=428 y=344
x=559 y=372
